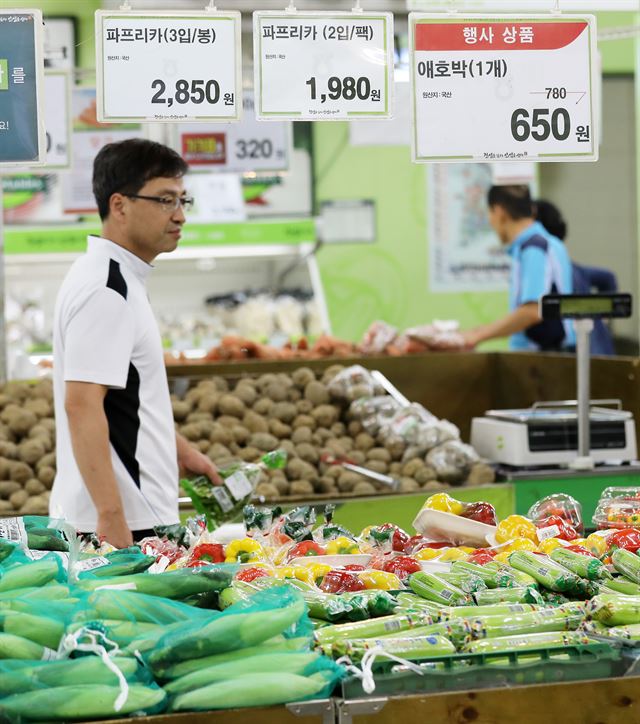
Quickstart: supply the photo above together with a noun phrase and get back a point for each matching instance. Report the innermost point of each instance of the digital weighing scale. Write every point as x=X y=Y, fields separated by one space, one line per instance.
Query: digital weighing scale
x=578 y=433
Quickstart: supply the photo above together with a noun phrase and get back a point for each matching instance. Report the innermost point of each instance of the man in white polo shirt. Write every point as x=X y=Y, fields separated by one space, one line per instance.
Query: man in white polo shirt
x=118 y=454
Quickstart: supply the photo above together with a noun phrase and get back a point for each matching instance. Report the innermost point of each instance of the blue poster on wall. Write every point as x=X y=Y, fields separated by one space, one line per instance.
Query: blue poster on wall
x=21 y=137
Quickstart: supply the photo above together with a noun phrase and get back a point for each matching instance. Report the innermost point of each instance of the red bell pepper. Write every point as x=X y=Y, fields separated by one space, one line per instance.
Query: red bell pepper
x=402 y=566
x=306 y=548
x=353 y=567
x=627 y=538
x=398 y=537
x=481 y=556
x=205 y=553
x=580 y=549
x=556 y=527
x=250 y=574
x=418 y=542
x=341 y=582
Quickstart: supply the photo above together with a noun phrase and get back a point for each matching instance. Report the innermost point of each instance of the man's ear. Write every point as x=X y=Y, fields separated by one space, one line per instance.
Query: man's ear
x=117 y=206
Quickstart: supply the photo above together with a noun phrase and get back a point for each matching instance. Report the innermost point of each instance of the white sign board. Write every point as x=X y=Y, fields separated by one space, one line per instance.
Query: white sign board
x=323 y=66
x=249 y=146
x=218 y=198
x=57 y=118
x=491 y=89
x=168 y=67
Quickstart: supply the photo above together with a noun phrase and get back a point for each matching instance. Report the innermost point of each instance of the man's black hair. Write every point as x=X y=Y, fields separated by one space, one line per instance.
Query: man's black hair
x=515 y=200
x=549 y=216
x=125 y=167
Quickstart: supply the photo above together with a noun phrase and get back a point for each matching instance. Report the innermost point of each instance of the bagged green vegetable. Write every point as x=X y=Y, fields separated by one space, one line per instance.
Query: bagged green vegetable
x=466 y=582
x=547 y=572
x=526 y=641
x=435 y=589
x=32 y=574
x=409 y=601
x=376 y=627
x=516 y=595
x=493 y=577
x=276 y=645
x=130 y=606
x=626 y=563
x=261 y=689
x=615 y=610
x=177 y=584
x=498 y=609
x=377 y=603
x=244 y=624
x=583 y=566
x=541 y=621
x=519 y=578
x=411 y=648
x=620 y=584
x=123 y=562
x=82 y=702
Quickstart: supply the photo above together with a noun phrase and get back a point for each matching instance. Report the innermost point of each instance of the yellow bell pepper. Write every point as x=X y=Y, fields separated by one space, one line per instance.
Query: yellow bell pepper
x=444 y=503
x=380 y=580
x=428 y=554
x=516 y=526
x=550 y=545
x=301 y=573
x=243 y=550
x=502 y=557
x=597 y=544
x=318 y=571
x=453 y=554
x=341 y=546
x=521 y=544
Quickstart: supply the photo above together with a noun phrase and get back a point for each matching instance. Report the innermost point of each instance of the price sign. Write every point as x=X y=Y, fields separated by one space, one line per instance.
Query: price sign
x=500 y=90
x=22 y=139
x=168 y=67
x=244 y=147
x=323 y=66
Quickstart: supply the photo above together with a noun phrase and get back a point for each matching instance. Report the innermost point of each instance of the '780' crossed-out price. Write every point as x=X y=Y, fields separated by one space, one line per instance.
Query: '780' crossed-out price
x=196 y=91
x=540 y=124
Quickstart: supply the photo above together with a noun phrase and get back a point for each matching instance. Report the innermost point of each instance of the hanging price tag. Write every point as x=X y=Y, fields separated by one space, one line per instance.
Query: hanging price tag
x=168 y=67
x=22 y=139
x=323 y=66
x=245 y=147
x=494 y=89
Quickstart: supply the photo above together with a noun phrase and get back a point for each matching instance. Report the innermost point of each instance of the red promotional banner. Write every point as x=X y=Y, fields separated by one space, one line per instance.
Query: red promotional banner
x=204 y=148
x=497 y=35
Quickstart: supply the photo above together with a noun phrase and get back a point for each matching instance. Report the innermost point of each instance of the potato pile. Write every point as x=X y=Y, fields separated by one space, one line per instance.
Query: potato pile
x=27 y=447
x=297 y=412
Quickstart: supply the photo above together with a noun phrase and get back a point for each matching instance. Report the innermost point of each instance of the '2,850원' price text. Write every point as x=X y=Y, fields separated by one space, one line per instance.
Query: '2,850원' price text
x=198 y=91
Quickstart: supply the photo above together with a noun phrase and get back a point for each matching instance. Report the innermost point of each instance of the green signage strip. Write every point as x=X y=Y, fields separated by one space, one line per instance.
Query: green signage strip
x=73 y=239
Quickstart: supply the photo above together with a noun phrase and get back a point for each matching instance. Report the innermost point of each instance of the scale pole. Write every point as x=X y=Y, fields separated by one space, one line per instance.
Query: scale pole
x=583 y=329
x=3 y=291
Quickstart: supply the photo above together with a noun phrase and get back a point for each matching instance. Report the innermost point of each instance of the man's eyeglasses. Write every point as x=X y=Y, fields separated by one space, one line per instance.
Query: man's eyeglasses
x=168 y=203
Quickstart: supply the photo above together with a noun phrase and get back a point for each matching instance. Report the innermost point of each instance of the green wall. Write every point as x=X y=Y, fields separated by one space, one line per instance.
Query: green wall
x=389 y=279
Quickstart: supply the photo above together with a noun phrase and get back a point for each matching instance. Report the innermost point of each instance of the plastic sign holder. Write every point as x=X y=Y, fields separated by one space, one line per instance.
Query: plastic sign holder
x=323 y=66
x=168 y=67
x=498 y=88
x=22 y=132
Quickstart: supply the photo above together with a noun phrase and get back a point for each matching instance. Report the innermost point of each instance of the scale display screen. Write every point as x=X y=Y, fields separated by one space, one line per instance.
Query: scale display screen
x=585 y=306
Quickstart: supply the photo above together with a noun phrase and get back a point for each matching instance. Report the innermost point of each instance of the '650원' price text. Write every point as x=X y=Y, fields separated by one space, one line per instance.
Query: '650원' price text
x=183 y=91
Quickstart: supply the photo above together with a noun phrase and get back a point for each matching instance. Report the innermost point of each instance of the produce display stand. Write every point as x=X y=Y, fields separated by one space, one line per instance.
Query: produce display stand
x=602 y=701
x=459 y=387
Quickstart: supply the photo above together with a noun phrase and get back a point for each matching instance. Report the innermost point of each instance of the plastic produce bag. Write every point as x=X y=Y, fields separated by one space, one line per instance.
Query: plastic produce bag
x=125 y=561
x=440 y=335
x=452 y=461
x=378 y=337
x=373 y=412
x=353 y=383
x=37 y=532
x=558 y=504
x=246 y=623
x=263 y=689
x=618 y=508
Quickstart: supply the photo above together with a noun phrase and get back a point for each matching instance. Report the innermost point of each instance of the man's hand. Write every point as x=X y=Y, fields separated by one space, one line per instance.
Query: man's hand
x=471 y=338
x=113 y=528
x=191 y=460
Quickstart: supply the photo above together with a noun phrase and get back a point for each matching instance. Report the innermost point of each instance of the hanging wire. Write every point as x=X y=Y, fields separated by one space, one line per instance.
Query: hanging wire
x=357 y=8
x=125 y=5
x=291 y=8
x=211 y=7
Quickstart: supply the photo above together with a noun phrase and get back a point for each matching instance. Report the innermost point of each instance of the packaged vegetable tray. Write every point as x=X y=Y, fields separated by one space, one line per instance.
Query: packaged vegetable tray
x=618 y=508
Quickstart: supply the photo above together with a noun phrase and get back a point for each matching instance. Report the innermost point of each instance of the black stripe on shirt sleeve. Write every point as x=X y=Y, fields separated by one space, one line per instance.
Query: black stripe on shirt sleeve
x=122 y=408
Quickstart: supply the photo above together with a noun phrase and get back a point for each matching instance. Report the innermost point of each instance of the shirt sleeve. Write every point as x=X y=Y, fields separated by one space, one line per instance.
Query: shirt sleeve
x=98 y=341
x=533 y=275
